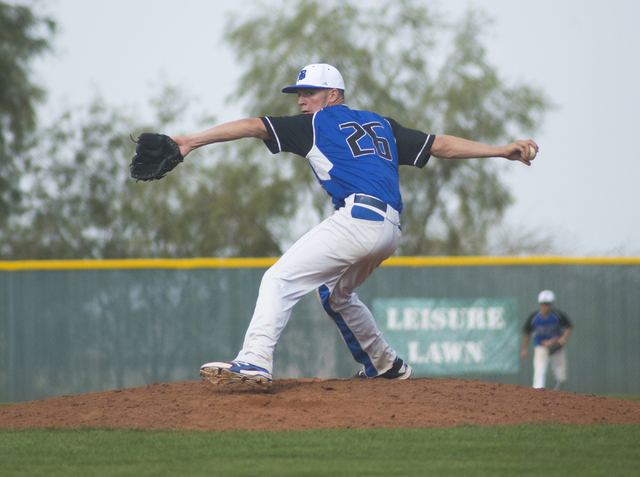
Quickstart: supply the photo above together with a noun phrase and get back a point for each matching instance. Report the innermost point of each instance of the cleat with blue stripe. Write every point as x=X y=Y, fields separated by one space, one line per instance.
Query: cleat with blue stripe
x=219 y=372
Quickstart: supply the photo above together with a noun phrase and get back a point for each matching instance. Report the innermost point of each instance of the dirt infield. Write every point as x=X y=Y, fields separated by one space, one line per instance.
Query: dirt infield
x=296 y=404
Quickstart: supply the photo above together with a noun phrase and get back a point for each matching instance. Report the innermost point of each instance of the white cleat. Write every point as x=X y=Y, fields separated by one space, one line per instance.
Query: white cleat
x=219 y=372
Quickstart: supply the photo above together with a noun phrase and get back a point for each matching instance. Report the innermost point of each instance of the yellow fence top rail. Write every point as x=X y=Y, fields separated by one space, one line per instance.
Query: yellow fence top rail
x=189 y=263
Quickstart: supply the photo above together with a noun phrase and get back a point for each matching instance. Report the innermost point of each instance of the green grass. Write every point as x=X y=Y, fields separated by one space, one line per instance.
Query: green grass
x=522 y=450
x=628 y=398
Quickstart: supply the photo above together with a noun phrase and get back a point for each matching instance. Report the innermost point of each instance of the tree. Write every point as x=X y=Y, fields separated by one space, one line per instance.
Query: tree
x=23 y=37
x=80 y=202
x=235 y=199
x=392 y=63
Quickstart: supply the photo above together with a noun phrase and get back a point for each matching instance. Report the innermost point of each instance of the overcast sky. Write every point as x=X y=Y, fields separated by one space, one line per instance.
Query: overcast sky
x=584 y=54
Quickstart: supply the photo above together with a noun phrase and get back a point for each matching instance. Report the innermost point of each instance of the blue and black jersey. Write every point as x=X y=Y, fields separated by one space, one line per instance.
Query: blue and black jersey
x=351 y=151
x=552 y=326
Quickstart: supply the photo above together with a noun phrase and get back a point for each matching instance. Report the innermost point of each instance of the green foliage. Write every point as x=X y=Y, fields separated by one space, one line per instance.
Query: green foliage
x=402 y=60
x=240 y=209
x=399 y=58
x=75 y=204
x=23 y=37
x=80 y=201
x=549 y=450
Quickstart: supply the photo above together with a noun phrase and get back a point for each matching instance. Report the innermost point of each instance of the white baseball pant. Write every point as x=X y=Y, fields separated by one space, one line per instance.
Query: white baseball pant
x=334 y=258
x=541 y=361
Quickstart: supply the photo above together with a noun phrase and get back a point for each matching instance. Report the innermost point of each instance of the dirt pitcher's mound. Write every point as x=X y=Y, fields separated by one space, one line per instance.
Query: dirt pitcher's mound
x=320 y=404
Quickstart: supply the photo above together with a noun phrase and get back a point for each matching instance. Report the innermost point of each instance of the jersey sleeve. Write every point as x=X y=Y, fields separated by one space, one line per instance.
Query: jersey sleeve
x=414 y=147
x=565 y=322
x=527 y=329
x=289 y=133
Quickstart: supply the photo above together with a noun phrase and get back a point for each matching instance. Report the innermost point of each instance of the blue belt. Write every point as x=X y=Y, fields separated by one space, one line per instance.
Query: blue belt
x=372 y=201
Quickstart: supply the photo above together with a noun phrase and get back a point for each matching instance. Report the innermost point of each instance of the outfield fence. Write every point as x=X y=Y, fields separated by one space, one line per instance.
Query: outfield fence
x=72 y=327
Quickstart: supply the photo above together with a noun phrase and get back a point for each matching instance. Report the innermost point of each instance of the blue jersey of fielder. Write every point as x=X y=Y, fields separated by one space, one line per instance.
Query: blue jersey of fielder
x=545 y=328
x=351 y=151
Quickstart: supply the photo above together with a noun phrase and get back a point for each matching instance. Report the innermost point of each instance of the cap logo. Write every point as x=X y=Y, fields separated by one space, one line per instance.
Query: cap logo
x=302 y=75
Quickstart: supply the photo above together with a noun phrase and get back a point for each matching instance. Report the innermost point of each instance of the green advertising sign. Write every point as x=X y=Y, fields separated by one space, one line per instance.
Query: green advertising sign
x=451 y=337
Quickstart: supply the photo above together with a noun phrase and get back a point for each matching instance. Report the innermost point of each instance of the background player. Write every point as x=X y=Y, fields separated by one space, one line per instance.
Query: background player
x=355 y=156
x=547 y=325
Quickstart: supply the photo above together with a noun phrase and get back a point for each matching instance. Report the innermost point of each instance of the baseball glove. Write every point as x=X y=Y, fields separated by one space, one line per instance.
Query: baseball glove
x=553 y=346
x=156 y=154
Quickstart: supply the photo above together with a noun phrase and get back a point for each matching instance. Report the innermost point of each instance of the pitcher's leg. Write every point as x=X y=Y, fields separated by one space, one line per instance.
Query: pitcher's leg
x=273 y=308
x=354 y=320
x=359 y=331
x=319 y=256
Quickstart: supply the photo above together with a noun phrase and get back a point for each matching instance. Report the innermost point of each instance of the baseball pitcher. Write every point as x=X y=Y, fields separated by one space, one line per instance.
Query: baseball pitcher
x=355 y=156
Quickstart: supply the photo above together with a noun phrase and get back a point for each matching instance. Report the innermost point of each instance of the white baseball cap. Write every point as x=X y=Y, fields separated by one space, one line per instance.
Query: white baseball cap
x=318 y=75
x=546 y=296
